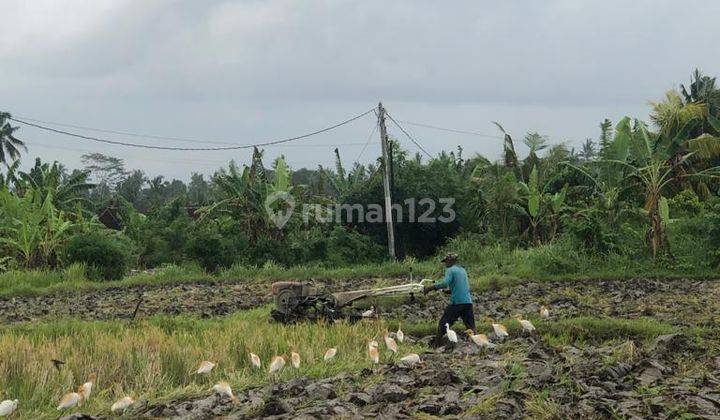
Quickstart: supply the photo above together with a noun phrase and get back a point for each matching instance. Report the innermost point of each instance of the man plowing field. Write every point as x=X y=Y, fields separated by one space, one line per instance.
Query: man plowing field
x=456 y=280
x=296 y=301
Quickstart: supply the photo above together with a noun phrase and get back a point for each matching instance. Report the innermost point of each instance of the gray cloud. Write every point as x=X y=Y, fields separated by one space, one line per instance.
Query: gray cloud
x=251 y=70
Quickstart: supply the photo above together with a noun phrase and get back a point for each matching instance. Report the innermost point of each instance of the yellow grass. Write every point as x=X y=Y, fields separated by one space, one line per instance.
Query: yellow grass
x=156 y=358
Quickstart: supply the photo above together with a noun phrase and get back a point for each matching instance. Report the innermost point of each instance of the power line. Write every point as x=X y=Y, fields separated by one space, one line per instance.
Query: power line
x=369 y=139
x=408 y=135
x=125 y=133
x=451 y=130
x=147 y=146
x=203 y=162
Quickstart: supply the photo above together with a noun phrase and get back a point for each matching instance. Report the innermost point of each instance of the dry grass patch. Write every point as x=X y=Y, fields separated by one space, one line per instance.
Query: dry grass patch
x=155 y=358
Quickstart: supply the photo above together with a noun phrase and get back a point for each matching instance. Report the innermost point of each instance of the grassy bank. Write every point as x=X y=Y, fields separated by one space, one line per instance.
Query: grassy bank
x=488 y=266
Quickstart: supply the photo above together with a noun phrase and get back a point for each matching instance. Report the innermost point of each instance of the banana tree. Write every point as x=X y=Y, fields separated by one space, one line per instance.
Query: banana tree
x=656 y=166
x=32 y=229
x=278 y=200
x=249 y=197
x=240 y=199
x=65 y=189
x=609 y=178
x=540 y=205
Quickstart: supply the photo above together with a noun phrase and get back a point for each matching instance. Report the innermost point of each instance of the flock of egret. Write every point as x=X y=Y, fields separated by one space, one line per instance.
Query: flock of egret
x=277 y=363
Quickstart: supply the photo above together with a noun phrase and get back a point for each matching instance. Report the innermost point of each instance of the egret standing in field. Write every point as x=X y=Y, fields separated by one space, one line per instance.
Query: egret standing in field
x=8 y=407
x=461 y=306
x=451 y=335
x=223 y=388
x=295 y=359
x=72 y=399
x=330 y=353
x=118 y=408
x=255 y=360
x=277 y=363
x=499 y=330
x=370 y=313
x=544 y=312
x=527 y=326
x=410 y=360
x=373 y=352
x=400 y=334
x=480 y=339
x=205 y=367
x=390 y=343
x=88 y=385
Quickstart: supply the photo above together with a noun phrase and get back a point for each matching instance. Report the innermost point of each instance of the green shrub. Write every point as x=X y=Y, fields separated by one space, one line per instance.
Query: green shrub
x=308 y=245
x=592 y=233
x=685 y=204
x=346 y=246
x=211 y=250
x=164 y=235
x=106 y=256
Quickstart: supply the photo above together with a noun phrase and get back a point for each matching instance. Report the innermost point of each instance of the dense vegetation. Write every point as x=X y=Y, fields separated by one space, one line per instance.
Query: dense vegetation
x=641 y=193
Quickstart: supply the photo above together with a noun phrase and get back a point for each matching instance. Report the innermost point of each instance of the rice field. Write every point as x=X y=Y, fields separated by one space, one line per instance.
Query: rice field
x=155 y=358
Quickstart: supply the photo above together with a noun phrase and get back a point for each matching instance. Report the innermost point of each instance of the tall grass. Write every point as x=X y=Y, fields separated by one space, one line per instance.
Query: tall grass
x=156 y=357
x=49 y=281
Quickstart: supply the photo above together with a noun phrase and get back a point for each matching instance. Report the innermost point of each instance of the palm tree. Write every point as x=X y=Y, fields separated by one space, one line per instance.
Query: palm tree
x=702 y=89
x=686 y=126
x=9 y=144
x=588 y=150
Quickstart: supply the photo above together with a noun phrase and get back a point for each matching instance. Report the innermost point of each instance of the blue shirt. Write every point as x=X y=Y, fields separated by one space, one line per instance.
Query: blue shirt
x=457 y=280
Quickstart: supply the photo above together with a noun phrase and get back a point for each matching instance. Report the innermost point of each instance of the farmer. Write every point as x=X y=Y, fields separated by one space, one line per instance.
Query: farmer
x=460 y=306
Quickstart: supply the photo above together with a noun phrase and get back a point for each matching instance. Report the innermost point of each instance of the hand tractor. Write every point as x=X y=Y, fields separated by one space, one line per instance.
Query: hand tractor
x=295 y=301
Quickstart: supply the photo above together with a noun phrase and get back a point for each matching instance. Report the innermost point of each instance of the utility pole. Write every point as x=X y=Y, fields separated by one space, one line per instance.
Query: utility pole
x=386 y=181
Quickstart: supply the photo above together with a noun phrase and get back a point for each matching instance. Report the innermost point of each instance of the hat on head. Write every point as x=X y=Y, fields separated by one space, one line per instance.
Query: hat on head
x=451 y=256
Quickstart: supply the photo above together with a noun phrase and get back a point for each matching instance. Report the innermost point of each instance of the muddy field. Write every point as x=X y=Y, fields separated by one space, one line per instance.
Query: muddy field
x=523 y=378
x=678 y=302
x=205 y=299
x=567 y=374
x=684 y=302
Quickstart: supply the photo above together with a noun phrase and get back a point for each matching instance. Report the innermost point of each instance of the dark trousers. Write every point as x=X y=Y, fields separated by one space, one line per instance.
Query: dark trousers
x=453 y=312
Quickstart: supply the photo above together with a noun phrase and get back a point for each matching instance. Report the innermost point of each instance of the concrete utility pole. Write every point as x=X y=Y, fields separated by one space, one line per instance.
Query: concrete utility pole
x=386 y=181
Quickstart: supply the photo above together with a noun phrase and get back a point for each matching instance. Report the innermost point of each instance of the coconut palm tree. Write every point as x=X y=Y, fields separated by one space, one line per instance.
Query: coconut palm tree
x=9 y=144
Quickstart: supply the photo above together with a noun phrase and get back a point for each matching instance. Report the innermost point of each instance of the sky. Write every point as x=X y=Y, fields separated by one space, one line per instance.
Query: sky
x=245 y=72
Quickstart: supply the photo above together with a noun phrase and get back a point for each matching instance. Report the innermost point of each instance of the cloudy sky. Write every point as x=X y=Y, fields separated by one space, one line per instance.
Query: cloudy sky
x=250 y=71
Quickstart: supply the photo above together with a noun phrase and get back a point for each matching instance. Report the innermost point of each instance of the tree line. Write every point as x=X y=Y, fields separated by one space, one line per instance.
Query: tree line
x=627 y=191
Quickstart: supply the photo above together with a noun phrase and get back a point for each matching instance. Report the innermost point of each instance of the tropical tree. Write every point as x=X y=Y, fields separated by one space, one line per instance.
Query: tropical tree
x=9 y=144
x=496 y=200
x=52 y=180
x=656 y=160
x=32 y=229
x=588 y=150
x=10 y=178
x=510 y=158
x=539 y=204
x=243 y=196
